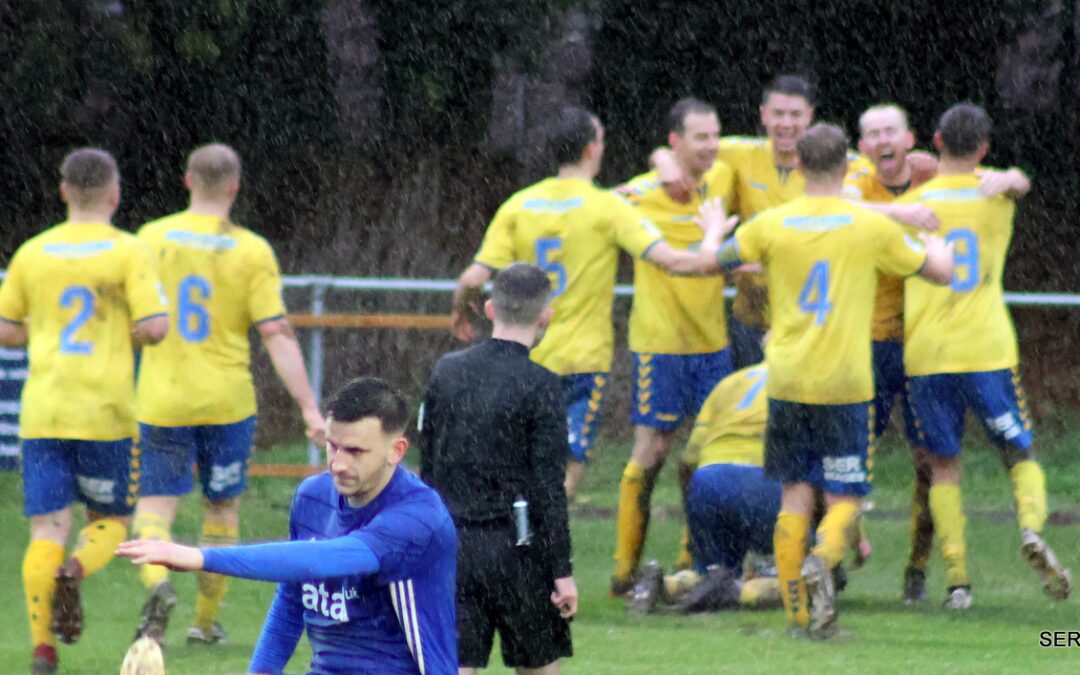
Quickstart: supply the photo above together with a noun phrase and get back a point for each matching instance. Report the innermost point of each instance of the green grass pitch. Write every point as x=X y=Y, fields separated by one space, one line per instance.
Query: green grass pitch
x=999 y=634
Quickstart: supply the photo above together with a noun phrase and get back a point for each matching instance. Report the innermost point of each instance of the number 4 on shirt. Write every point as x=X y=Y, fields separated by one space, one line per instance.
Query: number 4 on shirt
x=814 y=297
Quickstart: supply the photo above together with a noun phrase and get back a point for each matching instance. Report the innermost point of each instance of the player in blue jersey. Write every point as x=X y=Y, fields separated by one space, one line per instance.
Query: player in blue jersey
x=371 y=565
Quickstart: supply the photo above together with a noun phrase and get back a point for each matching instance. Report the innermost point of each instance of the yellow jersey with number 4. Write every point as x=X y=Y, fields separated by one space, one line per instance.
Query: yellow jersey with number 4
x=730 y=428
x=821 y=258
x=573 y=230
x=221 y=279
x=677 y=314
x=963 y=327
x=78 y=287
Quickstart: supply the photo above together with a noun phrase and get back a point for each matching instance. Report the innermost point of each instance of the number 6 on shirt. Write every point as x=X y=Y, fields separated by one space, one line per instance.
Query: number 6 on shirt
x=814 y=297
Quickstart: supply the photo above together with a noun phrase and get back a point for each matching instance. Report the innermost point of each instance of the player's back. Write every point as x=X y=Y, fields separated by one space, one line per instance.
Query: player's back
x=822 y=255
x=730 y=428
x=964 y=326
x=676 y=314
x=221 y=279
x=573 y=231
x=78 y=287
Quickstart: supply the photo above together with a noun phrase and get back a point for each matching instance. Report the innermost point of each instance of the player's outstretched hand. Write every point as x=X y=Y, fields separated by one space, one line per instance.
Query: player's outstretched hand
x=714 y=220
x=156 y=552
x=919 y=216
x=316 y=426
x=677 y=184
x=565 y=597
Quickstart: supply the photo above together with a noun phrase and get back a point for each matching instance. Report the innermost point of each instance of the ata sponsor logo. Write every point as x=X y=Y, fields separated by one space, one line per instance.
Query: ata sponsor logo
x=332 y=605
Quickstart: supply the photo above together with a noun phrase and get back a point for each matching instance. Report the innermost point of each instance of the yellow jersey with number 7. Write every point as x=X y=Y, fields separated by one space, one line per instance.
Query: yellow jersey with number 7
x=572 y=230
x=730 y=428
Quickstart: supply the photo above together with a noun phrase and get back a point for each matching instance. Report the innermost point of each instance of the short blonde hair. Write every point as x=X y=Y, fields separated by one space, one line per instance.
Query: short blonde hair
x=87 y=173
x=212 y=167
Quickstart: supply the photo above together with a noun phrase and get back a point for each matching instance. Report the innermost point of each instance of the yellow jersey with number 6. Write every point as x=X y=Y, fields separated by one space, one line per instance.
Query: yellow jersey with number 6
x=963 y=327
x=730 y=429
x=78 y=287
x=572 y=230
x=221 y=279
x=821 y=258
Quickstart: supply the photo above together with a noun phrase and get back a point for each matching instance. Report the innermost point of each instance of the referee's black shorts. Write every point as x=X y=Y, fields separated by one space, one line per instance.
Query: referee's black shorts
x=504 y=587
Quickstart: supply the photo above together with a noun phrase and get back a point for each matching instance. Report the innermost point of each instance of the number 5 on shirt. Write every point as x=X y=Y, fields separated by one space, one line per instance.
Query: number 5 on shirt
x=548 y=251
x=814 y=297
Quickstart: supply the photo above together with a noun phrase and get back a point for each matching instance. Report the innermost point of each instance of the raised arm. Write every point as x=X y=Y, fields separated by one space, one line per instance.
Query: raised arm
x=465 y=303
x=1012 y=183
x=284 y=349
x=919 y=216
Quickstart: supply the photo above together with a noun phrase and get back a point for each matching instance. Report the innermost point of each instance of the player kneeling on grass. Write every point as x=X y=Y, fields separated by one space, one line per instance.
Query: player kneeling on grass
x=371 y=564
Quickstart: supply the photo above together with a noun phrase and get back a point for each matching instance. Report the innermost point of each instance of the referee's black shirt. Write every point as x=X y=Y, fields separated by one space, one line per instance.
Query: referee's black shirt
x=493 y=427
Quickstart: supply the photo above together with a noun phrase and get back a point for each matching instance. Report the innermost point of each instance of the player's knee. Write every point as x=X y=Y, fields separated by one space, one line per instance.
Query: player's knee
x=222 y=510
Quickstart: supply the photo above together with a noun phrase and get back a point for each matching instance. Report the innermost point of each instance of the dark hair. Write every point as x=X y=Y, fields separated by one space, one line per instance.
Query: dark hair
x=963 y=128
x=572 y=132
x=823 y=149
x=88 y=169
x=520 y=293
x=370 y=397
x=789 y=85
x=676 y=117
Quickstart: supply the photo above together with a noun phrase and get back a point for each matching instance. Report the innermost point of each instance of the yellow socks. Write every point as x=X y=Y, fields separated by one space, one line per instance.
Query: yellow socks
x=922 y=524
x=42 y=559
x=151 y=526
x=635 y=493
x=1029 y=489
x=97 y=544
x=949 y=522
x=760 y=593
x=212 y=587
x=789 y=544
x=837 y=531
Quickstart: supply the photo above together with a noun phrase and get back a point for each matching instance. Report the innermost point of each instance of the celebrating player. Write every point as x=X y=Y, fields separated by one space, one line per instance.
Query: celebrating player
x=821 y=255
x=195 y=392
x=678 y=331
x=84 y=294
x=960 y=352
x=572 y=230
x=370 y=565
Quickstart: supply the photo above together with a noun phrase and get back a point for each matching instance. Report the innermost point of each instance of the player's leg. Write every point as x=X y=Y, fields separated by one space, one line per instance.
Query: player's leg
x=583 y=395
x=48 y=488
x=167 y=456
x=998 y=399
x=939 y=406
x=533 y=636
x=222 y=455
x=481 y=577
x=656 y=414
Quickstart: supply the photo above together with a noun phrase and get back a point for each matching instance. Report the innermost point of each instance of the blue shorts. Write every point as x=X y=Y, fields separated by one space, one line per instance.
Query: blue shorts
x=668 y=388
x=996 y=398
x=890 y=383
x=104 y=475
x=730 y=510
x=220 y=450
x=746 y=349
x=826 y=446
x=583 y=395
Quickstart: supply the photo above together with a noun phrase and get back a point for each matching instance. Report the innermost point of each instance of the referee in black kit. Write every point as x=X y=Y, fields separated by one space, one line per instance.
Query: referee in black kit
x=493 y=435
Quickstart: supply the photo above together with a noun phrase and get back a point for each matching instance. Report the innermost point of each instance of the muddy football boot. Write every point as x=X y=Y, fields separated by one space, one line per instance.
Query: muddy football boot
x=67 y=612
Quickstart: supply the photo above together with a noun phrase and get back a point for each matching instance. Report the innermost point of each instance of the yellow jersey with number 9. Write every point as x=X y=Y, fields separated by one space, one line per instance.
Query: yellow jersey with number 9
x=78 y=287
x=821 y=258
x=677 y=314
x=730 y=429
x=965 y=326
x=573 y=230
x=221 y=279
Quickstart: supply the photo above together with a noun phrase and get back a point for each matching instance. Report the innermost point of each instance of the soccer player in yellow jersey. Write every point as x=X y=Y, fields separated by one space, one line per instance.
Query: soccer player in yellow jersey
x=821 y=256
x=886 y=139
x=678 y=332
x=83 y=294
x=960 y=353
x=573 y=230
x=195 y=392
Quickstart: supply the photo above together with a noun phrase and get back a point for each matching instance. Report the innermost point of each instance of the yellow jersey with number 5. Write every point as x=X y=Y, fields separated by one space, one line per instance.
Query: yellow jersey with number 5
x=573 y=230
x=78 y=287
x=963 y=327
x=821 y=258
x=730 y=429
x=221 y=279
x=677 y=314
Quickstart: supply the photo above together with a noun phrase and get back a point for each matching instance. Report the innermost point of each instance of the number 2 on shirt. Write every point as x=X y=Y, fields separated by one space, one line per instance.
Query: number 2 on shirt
x=546 y=249
x=192 y=319
x=84 y=297
x=814 y=297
